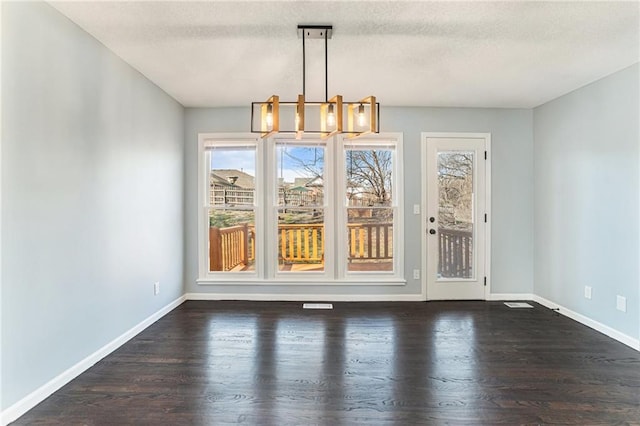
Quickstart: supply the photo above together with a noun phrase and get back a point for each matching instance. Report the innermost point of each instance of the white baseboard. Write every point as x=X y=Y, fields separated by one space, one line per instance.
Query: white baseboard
x=338 y=297
x=34 y=398
x=308 y=297
x=510 y=296
x=604 y=329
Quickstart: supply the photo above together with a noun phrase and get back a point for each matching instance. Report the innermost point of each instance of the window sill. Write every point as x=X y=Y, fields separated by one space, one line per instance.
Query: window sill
x=303 y=281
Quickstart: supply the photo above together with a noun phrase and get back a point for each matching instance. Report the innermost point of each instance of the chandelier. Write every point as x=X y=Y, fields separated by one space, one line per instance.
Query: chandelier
x=324 y=118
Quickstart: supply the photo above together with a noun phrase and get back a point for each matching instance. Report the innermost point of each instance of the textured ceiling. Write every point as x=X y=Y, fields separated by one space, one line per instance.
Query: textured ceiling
x=477 y=54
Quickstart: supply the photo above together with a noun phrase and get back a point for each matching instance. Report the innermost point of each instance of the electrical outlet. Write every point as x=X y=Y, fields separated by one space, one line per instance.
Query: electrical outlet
x=156 y=288
x=416 y=209
x=587 y=292
x=621 y=303
x=416 y=274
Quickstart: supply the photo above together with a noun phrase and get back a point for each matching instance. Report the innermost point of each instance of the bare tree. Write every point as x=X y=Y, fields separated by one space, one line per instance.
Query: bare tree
x=369 y=175
x=309 y=159
x=455 y=181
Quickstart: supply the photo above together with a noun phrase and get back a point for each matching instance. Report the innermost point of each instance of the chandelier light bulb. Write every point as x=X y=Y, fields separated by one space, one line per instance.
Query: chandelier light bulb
x=269 y=117
x=331 y=116
x=361 y=118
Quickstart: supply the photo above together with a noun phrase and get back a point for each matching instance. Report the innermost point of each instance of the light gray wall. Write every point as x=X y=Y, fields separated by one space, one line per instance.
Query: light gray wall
x=91 y=196
x=586 y=200
x=512 y=191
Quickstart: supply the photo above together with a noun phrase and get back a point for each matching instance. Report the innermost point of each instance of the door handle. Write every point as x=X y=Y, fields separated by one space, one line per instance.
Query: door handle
x=432 y=231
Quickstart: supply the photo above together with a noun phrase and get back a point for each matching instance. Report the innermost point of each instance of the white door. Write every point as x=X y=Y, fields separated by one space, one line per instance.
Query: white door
x=455 y=169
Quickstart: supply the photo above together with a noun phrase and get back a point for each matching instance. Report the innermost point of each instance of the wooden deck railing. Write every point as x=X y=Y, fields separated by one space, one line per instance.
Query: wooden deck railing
x=370 y=241
x=297 y=243
x=304 y=243
x=230 y=247
x=455 y=253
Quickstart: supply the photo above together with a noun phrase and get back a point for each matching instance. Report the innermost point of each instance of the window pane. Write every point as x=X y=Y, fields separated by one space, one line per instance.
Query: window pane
x=370 y=239
x=300 y=175
x=301 y=239
x=369 y=177
x=455 y=214
x=232 y=176
x=232 y=242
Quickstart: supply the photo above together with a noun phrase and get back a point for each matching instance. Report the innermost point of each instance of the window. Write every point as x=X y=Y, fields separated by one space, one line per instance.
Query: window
x=231 y=198
x=370 y=205
x=300 y=207
x=281 y=210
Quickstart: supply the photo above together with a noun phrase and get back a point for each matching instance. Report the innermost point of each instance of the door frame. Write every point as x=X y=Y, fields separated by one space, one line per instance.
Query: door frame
x=424 y=212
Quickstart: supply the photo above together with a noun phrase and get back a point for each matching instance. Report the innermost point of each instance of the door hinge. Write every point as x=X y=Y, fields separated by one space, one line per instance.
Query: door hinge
x=485 y=281
x=485 y=155
x=485 y=218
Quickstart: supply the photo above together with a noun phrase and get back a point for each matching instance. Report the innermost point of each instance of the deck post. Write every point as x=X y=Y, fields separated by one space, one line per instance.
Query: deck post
x=215 y=249
x=245 y=243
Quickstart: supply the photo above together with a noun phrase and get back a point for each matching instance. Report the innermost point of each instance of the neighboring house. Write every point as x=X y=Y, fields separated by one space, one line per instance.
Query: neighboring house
x=303 y=192
x=235 y=187
x=231 y=187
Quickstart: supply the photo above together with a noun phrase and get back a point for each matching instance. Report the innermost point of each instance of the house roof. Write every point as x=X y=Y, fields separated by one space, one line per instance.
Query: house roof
x=218 y=181
x=308 y=182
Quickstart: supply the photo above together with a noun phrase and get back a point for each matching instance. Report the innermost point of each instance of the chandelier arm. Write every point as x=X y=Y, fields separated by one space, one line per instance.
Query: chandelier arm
x=304 y=68
x=326 y=68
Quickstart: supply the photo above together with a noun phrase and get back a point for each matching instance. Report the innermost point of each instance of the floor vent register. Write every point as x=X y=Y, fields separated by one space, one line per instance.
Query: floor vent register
x=518 y=305
x=317 y=306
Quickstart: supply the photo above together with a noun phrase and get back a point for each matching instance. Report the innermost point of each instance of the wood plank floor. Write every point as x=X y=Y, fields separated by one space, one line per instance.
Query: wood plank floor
x=271 y=363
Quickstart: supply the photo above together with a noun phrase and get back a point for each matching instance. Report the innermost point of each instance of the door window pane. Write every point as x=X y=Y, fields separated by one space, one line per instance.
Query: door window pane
x=455 y=214
x=231 y=200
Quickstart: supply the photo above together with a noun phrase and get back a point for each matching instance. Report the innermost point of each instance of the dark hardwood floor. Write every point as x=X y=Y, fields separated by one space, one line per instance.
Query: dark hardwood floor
x=271 y=363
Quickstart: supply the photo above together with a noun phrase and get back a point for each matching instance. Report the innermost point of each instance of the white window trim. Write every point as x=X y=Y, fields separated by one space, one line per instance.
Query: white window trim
x=335 y=217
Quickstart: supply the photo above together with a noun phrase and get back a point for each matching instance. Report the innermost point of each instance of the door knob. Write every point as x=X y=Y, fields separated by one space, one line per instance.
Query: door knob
x=432 y=231
x=432 y=219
